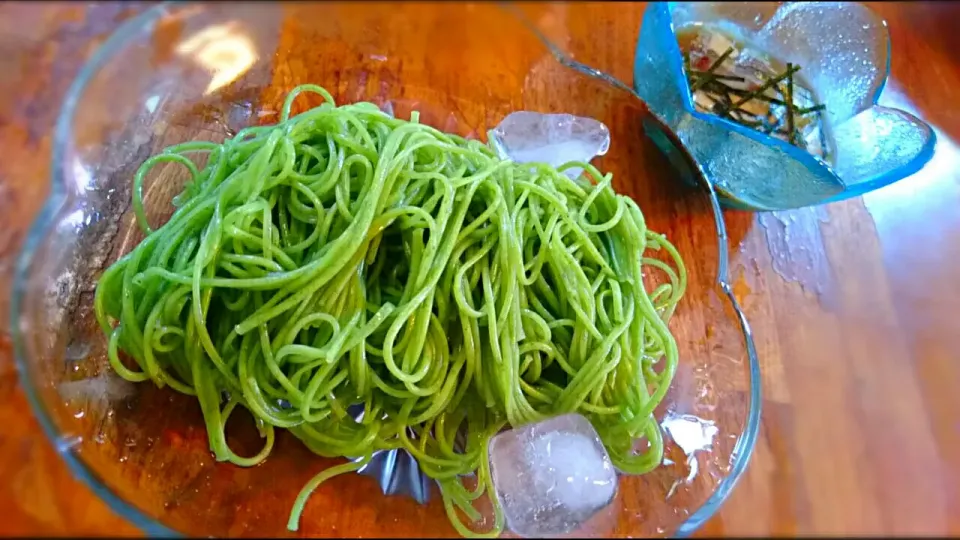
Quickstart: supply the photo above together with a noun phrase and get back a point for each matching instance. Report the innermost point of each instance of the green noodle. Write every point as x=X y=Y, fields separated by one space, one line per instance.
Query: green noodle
x=347 y=258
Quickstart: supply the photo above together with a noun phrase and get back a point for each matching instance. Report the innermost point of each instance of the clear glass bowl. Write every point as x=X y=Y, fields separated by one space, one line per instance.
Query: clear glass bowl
x=202 y=71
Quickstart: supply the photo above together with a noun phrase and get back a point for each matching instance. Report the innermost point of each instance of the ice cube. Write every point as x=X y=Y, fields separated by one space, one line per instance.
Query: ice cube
x=555 y=139
x=551 y=477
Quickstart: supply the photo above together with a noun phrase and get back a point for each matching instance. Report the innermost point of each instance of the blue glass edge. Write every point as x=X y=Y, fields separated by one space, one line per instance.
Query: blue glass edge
x=898 y=173
x=42 y=225
x=915 y=164
x=675 y=68
x=809 y=161
x=886 y=178
x=875 y=99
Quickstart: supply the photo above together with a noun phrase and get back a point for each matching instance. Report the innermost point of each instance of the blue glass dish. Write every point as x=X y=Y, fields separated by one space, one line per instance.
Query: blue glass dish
x=845 y=51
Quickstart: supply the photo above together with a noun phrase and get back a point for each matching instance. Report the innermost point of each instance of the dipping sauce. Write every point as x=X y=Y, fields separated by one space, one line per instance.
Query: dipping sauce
x=732 y=79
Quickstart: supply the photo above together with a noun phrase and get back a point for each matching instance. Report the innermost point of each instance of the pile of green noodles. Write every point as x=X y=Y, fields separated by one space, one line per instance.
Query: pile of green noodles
x=347 y=258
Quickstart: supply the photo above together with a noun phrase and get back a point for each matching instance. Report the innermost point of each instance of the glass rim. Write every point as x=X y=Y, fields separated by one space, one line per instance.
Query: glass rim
x=60 y=195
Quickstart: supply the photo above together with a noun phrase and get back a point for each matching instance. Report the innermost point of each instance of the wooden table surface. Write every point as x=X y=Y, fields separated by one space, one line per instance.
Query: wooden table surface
x=854 y=304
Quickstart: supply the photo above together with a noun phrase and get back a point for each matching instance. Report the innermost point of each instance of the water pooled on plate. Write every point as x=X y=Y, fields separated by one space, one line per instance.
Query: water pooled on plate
x=108 y=386
x=77 y=350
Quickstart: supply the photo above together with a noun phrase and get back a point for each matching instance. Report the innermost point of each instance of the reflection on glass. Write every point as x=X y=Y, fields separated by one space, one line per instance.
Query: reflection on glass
x=224 y=50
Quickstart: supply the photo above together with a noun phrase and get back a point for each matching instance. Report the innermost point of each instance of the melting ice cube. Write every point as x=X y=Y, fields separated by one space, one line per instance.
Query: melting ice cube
x=551 y=477
x=689 y=432
x=526 y=136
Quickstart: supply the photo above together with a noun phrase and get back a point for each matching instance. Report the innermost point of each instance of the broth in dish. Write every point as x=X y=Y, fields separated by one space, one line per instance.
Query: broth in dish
x=732 y=78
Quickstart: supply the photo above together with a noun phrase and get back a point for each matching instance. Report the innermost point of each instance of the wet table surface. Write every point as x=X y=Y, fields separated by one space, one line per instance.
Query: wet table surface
x=853 y=304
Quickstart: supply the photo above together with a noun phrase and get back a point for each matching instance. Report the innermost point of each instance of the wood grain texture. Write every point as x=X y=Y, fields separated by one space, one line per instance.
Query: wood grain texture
x=853 y=304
